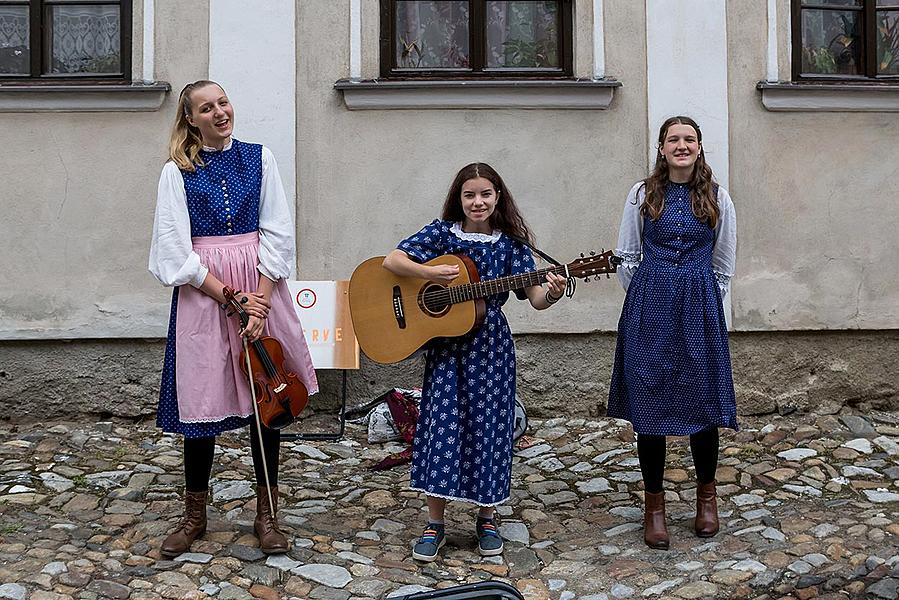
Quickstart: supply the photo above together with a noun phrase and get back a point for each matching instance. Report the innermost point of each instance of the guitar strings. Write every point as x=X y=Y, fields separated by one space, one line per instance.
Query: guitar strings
x=443 y=294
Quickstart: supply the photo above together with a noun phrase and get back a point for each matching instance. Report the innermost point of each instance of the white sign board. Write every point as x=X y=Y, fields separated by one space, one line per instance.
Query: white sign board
x=324 y=312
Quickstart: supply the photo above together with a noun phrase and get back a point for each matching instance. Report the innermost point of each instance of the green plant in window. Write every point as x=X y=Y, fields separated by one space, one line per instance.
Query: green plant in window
x=843 y=46
x=839 y=54
x=411 y=55
x=102 y=64
x=108 y=63
x=529 y=53
x=532 y=35
x=818 y=60
x=888 y=46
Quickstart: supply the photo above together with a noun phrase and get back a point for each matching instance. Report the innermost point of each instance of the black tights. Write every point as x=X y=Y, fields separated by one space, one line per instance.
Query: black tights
x=651 y=452
x=198 y=453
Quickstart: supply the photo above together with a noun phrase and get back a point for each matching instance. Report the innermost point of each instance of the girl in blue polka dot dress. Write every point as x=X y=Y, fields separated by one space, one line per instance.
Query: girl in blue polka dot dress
x=463 y=439
x=672 y=372
x=222 y=218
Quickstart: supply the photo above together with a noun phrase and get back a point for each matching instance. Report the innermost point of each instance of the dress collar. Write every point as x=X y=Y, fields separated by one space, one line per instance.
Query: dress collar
x=456 y=230
x=226 y=147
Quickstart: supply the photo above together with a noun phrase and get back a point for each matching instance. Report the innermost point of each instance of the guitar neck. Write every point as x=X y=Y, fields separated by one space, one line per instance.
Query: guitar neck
x=482 y=289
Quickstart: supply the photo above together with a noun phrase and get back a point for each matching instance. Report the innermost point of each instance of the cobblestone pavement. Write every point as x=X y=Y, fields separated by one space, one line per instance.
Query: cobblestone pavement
x=809 y=506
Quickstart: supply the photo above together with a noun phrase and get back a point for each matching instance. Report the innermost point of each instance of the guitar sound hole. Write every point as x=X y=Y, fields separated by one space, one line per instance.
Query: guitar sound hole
x=434 y=300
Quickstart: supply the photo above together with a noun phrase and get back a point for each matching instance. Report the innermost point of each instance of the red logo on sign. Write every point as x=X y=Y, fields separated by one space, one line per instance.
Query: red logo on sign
x=306 y=298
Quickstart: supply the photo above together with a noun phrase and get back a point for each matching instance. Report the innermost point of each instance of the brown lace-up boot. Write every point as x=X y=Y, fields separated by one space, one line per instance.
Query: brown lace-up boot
x=706 y=523
x=192 y=525
x=271 y=539
x=655 y=532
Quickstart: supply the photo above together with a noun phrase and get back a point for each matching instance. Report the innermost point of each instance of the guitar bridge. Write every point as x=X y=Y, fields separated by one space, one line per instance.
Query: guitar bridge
x=398 y=312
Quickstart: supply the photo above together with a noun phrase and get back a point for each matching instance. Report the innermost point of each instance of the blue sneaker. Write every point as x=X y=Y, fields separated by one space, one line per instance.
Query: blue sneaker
x=431 y=540
x=489 y=541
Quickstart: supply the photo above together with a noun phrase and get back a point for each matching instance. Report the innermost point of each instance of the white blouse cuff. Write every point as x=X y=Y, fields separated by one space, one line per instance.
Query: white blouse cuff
x=723 y=282
x=267 y=272
x=629 y=260
x=202 y=272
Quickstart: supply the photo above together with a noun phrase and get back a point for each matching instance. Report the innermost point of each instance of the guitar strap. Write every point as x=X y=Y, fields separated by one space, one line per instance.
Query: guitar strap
x=572 y=282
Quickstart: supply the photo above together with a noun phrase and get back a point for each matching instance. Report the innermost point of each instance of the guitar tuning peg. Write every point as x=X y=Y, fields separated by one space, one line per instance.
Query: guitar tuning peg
x=582 y=255
x=592 y=253
x=607 y=275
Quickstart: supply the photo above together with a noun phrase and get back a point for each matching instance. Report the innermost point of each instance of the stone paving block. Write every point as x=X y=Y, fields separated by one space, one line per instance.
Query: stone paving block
x=809 y=506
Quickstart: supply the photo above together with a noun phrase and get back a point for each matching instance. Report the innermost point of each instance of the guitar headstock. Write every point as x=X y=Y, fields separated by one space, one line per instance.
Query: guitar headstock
x=594 y=265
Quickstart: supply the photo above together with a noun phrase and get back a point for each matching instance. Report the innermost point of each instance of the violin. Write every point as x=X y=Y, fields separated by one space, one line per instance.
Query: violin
x=280 y=396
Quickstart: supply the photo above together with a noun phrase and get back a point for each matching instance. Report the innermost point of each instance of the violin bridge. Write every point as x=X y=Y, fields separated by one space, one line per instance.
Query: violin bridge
x=280 y=387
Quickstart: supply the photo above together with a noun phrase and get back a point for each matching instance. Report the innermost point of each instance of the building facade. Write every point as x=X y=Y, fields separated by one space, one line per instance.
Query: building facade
x=800 y=125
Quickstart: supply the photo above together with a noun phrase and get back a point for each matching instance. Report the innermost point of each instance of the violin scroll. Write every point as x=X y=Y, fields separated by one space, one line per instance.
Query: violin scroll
x=280 y=395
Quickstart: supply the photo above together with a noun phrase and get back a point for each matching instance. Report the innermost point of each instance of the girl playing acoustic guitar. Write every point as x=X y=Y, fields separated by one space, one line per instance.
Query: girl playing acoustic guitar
x=222 y=219
x=463 y=441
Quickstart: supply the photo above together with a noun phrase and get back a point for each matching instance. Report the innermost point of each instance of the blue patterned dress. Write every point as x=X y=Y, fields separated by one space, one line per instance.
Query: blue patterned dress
x=672 y=371
x=463 y=440
x=212 y=213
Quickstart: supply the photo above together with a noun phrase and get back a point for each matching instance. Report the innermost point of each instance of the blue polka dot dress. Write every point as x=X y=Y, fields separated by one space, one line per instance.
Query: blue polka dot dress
x=241 y=167
x=203 y=392
x=463 y=440
x=672 y=371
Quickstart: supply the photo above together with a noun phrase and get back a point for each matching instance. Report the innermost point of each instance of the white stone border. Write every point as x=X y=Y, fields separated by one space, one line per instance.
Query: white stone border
x=466 y=94
x=686 y=72
x=137 y=97
x=686 y=56
x=599 y=41
x=253 y=54
x=773 y=67
x=813 y=97
x=149 y=47
x=355 y=39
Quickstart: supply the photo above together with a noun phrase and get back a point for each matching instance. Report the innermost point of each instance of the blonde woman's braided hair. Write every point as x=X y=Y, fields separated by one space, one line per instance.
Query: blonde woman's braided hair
x=185 y=141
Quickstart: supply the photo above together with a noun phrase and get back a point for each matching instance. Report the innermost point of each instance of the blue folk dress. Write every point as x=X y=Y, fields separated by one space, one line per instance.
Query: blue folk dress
x=240 y=168
x=463 y=439
x=672 y=371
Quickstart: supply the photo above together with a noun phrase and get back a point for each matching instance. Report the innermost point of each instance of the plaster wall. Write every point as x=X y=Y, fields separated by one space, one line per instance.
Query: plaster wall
x=78 y=193
x=815 y=194
x=367 y=179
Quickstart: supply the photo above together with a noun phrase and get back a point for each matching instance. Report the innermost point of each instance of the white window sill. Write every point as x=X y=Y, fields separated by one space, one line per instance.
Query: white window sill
x=380 y=94
x=830 y=97
x=134 y=97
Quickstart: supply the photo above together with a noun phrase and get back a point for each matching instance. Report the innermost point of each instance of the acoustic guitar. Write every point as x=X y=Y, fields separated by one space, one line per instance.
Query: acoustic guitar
x=394 y=316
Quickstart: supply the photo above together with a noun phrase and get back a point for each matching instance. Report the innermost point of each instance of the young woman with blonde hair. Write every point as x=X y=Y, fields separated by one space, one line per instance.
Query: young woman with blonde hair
x=672 y=373
x=222 y=219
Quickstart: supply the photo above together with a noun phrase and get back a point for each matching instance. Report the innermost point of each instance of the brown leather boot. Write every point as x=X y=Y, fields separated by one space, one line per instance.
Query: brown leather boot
x=706 y=523
x=655 y=531
x=192 y=525
x=271 y=539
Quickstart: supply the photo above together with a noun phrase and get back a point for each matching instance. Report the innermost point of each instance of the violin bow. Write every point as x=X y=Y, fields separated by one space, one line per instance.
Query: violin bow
x=246 y=353
x=268 y=485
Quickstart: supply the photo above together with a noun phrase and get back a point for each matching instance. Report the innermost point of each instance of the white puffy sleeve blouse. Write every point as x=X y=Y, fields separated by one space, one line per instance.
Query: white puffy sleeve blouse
x=172 y=259
x=630 y=238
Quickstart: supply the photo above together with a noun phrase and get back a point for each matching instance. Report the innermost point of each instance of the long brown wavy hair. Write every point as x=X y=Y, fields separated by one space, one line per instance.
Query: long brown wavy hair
x=703 y=190
x=505 y=217
x=185 y=141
